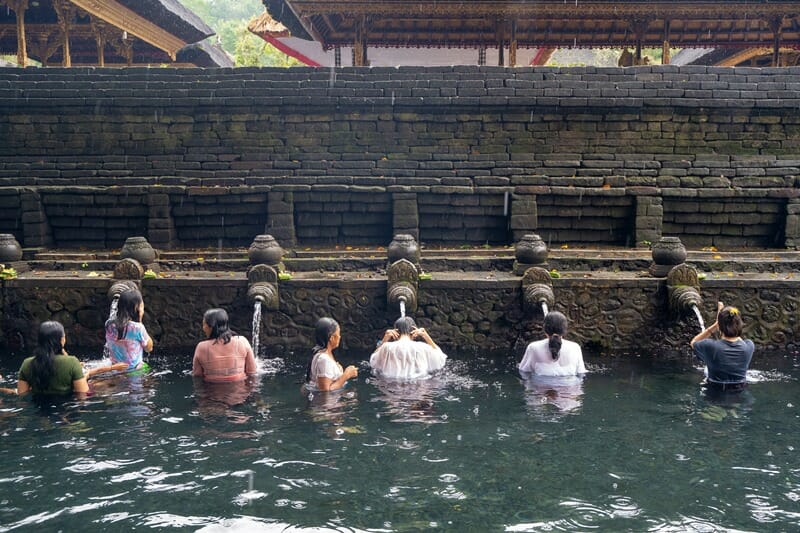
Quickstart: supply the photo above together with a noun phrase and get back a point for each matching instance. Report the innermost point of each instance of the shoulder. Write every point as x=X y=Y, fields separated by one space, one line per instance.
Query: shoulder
x=26 y=363
x=705 y=344
x=203 y=344
x=535 y=345
x=241 y=339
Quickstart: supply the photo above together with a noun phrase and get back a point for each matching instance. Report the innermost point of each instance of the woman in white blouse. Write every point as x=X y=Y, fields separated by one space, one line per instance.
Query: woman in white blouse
x=324 y=372
x=553 y=356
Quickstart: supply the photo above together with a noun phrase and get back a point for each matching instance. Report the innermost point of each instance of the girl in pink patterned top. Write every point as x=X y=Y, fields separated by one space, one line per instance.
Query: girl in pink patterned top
x=126 y=336
x=225 y=356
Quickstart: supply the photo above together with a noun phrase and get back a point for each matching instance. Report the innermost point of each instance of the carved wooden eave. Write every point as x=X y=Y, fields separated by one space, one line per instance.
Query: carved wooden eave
x=95 y=31
x=549 y=23
x=133 y=23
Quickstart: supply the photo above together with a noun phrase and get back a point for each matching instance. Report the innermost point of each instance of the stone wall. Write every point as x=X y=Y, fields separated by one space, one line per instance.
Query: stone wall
x=452 y=155
x=616 y=316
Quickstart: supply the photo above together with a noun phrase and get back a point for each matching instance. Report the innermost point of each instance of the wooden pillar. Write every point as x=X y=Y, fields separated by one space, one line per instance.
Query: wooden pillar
x=639 y=27
x=665 y=46
x=499 y=31
x=99 y=30
x=512 y=46
x=64 y=12
x=775 y=25
x=127 y=51
x=360 y=44
x=19 y=7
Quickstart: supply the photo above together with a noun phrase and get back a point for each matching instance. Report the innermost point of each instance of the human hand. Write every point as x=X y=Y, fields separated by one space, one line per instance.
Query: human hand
x=391 y=335
x=350 y=372
x=720 y=307
x=420 y=333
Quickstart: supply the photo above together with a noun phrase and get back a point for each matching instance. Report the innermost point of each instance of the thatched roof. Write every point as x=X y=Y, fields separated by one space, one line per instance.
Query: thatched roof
x=264 y=24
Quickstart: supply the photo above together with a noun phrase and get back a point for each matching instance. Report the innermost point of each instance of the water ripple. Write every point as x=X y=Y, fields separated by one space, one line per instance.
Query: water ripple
x=585 y=515
x=86 y=465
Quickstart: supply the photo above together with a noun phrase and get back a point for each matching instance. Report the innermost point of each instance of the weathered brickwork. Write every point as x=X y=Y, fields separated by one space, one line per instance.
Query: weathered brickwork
x=634 y=141
x=608 y=316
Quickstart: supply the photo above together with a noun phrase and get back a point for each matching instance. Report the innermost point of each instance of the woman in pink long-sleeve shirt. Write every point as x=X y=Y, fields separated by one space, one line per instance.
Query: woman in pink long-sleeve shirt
x=225 y=356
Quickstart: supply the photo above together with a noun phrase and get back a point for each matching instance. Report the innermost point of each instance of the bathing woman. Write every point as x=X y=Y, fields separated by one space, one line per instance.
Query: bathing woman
x=728 y=357
x=224 y=356
x=400 y=356
x=126 y=336
x=553 y=356
x=324 y=372
x=51 y=370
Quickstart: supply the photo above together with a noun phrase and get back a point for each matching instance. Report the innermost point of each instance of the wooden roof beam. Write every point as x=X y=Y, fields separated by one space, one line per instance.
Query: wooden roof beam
x=120 y=16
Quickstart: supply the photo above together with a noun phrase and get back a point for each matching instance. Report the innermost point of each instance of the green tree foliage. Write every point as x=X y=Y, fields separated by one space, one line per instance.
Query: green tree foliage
x=229 y=18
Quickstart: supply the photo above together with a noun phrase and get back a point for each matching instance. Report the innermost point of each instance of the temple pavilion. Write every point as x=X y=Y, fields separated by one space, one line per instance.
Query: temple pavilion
x=762 y=33
x=106 y=33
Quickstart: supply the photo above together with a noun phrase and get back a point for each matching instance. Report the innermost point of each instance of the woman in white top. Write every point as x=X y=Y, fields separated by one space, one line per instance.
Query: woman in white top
x=400 y=356
x=324 y=372
x=553 y=356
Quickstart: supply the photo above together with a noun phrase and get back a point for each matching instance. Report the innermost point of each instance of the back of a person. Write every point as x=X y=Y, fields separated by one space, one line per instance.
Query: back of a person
x=221 y=361
x=66 y=369
x=406 y=359
x=727 y=361
x=129 y=348
x=539 y=360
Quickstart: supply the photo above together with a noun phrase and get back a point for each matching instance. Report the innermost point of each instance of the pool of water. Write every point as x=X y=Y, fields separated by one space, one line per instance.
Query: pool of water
x=634 y=446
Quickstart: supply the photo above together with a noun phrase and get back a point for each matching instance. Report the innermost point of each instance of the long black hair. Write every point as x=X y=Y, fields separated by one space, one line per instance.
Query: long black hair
x=47 y=347
x=126 y=311
x=555 y=325
x=323 y=332
x=217 y=320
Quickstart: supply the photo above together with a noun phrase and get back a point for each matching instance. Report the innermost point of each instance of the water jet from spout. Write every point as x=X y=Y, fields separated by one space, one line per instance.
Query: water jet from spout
x=545 y=310
x=256 y=323
x=112 y=314
x=699 y=317
x=402 y=307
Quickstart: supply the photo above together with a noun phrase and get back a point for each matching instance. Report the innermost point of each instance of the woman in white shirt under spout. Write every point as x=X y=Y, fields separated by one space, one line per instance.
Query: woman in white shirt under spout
x=400 y=356
x=553 y=356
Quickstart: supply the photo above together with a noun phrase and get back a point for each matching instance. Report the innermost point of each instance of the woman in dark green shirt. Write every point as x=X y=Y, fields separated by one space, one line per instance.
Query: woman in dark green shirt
x=51 y=370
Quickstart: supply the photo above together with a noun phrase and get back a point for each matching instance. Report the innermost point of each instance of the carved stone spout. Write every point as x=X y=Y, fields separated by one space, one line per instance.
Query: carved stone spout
x=119 y=287
x=537 y=288
x=683 y=290
x=263 y=287
x=403 y=282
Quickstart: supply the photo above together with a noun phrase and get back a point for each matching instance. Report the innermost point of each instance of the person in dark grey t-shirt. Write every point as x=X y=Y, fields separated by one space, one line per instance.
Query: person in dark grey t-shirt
x=728 y=357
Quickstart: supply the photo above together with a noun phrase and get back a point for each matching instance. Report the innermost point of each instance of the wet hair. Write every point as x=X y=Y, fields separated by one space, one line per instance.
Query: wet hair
x=555 y=325
x=323 y=332
x=47 y=347
x=217 y=320
x=126 y=311
x=405 y=325
x=730 y=323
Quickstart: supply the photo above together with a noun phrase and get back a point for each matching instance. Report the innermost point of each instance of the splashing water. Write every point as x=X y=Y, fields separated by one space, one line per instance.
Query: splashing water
x=545 y=309
x=256 y=326
x=699 y=317
x=112 y=314
x=402 y=308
